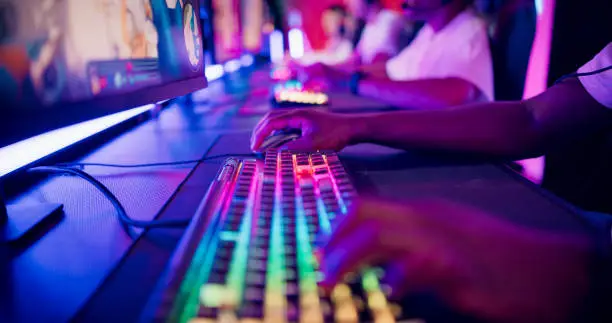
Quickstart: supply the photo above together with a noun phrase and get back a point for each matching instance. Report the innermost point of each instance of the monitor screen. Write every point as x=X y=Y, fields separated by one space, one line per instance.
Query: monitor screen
x=70 y=60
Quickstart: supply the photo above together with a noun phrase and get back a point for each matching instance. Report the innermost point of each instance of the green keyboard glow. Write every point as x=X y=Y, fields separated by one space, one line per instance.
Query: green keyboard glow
x=261 y=264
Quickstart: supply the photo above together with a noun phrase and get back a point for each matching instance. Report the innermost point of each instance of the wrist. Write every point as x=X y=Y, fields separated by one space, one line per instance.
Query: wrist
x=357 y=128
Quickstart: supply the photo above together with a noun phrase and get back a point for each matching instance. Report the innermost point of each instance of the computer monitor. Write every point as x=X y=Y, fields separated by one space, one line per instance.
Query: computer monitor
x=66 y=61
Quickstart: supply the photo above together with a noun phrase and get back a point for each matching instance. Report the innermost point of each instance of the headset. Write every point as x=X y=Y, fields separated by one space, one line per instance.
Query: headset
x=407 y=5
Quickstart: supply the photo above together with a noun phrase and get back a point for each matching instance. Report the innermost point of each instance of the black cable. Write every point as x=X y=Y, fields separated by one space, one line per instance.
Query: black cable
x=575 y=75
x=124 y=218
x=177 y=163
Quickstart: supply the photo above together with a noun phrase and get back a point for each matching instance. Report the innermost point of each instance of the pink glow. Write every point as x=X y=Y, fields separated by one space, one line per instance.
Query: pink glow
x=537 y=71
x=537 y=75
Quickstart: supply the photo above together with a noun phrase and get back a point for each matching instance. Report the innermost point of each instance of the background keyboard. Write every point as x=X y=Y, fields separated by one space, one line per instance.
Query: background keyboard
x=256 y=260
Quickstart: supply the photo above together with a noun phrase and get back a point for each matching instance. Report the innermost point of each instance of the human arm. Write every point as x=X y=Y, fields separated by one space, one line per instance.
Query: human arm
x=341 y=73
x=564 y=112
x=473 y=261
x=421 y=94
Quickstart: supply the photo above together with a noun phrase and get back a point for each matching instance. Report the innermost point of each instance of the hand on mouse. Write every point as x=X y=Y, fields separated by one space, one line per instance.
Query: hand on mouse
x=476 y=263
x=320 y=130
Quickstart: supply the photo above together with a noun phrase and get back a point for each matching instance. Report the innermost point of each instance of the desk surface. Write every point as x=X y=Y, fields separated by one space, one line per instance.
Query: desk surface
x=88 y=269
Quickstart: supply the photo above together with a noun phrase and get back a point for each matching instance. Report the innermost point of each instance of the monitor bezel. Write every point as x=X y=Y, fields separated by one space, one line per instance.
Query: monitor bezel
x=21 y=124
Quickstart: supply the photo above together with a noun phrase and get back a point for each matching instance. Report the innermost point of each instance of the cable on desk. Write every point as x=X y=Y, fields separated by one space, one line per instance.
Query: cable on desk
x=576 y=75
x=124 y=218
x=177 y=163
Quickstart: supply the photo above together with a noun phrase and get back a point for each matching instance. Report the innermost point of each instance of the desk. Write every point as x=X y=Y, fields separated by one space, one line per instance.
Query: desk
x=88 y=270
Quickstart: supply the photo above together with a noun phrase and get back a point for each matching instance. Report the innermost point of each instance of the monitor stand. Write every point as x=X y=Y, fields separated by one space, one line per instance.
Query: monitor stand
x=19 y=221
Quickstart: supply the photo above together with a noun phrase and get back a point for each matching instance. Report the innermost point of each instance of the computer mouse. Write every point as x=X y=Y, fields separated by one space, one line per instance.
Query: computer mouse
x=280 y=137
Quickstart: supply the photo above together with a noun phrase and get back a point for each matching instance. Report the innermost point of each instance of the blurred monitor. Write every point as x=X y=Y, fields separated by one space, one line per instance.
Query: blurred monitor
x=241 y=26
x=67 y=61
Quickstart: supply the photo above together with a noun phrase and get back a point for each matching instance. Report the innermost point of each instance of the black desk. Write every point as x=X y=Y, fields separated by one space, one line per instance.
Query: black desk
x=87 y=269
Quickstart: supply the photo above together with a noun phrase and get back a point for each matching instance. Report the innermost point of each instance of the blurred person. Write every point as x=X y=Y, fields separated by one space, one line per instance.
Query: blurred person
x=476 y=263
x=448 y=63
x=339 y=47
x=376 y=32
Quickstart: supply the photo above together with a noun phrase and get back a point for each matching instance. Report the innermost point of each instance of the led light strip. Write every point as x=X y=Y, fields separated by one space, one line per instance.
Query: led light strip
x=26 y=152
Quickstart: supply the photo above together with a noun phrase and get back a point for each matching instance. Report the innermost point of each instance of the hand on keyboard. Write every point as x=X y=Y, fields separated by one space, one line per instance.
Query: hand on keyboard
x=320 y=130
x=476 y=263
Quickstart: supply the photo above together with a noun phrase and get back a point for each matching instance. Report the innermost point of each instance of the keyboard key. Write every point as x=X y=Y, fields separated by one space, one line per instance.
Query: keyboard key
x=254 y=294
x=251 y=310
x=257 y=265
x=292 y=312
x=321 y=171
x=263 y=221
x=292 y=289
x=290 y=263
x=207 y=313
x=289 y=251
x=217 y=278
x=261 y=243
x=256 y=279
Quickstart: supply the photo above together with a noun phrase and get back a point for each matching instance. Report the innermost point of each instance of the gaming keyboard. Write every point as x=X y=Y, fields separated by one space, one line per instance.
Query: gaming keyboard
x=250 y=253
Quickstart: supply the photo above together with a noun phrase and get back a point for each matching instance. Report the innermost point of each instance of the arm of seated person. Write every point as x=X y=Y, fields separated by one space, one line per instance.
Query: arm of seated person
x=420 y=94
x=342 y=71
x=377 y=68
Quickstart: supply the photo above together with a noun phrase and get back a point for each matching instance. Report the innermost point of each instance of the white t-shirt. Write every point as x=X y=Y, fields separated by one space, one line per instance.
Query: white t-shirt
x=335 y=53
x=461 y=50
x=599 y=85
x=380 y=36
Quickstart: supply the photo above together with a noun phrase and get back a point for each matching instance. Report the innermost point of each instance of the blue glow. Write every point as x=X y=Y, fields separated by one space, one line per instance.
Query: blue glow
x=324 y=222
x=277 y=46
x=539 y=6
x=214 y=72
x=247 y=60
x=26 y=152
x=232 y=66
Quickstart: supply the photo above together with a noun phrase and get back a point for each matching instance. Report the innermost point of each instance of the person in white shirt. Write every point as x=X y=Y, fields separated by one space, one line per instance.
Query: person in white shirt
x=377 y=32
x=511 y=273
x=456 y=49
x=378 y=41
x=339 y=47
x=448 y=63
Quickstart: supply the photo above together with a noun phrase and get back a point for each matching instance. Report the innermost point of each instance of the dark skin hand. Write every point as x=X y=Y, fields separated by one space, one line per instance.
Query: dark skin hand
x=508 y=129
x=474 y=262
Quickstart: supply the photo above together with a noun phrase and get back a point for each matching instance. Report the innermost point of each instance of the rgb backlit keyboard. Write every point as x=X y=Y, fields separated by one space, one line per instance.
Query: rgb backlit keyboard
x=251 y=257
